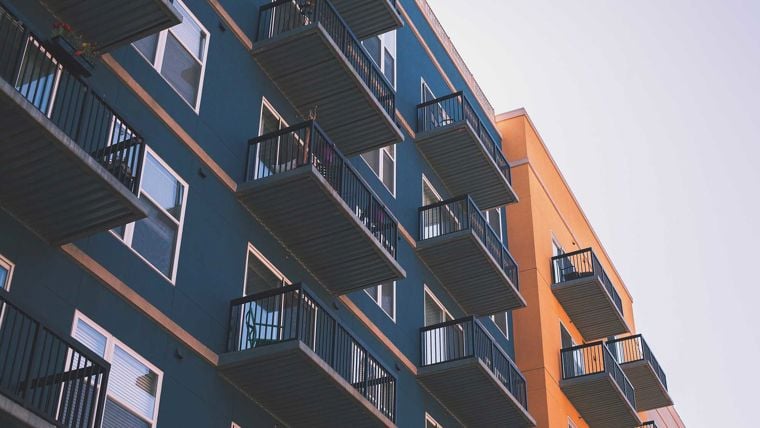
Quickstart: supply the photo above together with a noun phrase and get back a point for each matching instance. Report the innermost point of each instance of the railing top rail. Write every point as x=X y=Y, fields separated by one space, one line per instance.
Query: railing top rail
x=6 y=298
x=584 y=345
x=283 y=131
x=573 y=253
x=448 y=323
x=440 y=99
x=268 y=293
x=445 y=202
x=622 y=339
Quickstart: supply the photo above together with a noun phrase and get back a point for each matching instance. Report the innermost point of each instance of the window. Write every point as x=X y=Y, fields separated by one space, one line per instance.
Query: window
x=383 y=164
x=179 y=55
x=260 y=273
x=431 y=423
x=493 y=216
x=156 y=238
x=382 y=50
x=6 y=273
x=134 y=385
x=502 y=322
x=385 y=296
x=277 y=154
x=435 y=312
x=425 y=93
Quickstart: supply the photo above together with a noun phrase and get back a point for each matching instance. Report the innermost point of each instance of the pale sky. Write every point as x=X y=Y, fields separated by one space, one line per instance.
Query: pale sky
x=650 y=108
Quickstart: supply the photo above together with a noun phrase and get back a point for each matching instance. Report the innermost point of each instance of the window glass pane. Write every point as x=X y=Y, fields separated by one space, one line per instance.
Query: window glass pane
x=155 y=238
x=116 y=416
x=132 y=383
x=181 y=70
x=433 y=313
x=427 y=94
x=259 y=277
x=373 y=160
x=389 y=68
x=91 y=338
x=502 y=321
x=494 y=219
x=148 y=46
x=36 y=78
x=189 y=32
x=162 y=186
x=387 y=298
x=3 y=277
x=269 y=121
x=373 y=292
x=389 y=176
x=373 y=48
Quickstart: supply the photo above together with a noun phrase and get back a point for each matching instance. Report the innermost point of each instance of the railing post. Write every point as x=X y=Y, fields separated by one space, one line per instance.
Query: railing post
x=80 y=121
x=472 y=337
x=101 y=397
x=366 y=373
x=27 y=375
x=299 y=308
x=333 y=357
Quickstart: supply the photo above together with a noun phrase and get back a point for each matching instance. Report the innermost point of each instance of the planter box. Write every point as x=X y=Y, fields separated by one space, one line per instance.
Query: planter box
x=65 y=52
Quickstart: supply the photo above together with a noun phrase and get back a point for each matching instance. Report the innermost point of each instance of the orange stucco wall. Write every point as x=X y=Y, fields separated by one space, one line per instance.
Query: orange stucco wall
x=547 y=210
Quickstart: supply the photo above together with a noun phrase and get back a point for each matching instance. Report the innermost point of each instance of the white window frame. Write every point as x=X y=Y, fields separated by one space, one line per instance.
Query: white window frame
x=423 y=85
x=440 y=304
x=252 y=251
x=130 y=228
x=379 y=299
x=8 y=266
x=506 y=318
x=268 y=105
x=111 y=343
x=570 y=423
x=380 y=174
x=426 y=182
x=235 y=425
x=158 y=62
x=431 y=420
x=487 y=215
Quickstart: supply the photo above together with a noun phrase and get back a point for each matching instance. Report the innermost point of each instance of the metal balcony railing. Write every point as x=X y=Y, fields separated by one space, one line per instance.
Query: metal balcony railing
x=306 y=144
x=582 y=264
x=42 y=79
x=593 y=358
x=282 y=16
x=465 y=338
x=291 y=313
x=461 y=213
x=648 y=424
x=455 y=108
x=634 y=348
x=57 y=378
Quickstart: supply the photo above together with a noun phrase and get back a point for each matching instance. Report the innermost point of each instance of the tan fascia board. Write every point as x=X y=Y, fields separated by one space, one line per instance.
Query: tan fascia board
x=522 y=112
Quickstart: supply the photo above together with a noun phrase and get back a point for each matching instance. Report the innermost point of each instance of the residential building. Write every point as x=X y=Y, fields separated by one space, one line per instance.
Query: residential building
x=576 y=341
x=222 y=213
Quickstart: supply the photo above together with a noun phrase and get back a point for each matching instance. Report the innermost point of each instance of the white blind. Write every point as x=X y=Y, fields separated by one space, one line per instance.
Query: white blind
x=90 y=338
x=133 y=383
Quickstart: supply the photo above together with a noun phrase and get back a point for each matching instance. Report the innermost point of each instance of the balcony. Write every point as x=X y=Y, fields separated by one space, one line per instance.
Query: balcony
x=370 y=17
x=638 y=362
x=462 y=151
x=310 y=197
x=586 y=293
x=47 y=380
x=472 y=376
x=321 y=67
x=108 y=24
x=294 y=358
x=598 y=387
x=460 y=248
x=70 y=165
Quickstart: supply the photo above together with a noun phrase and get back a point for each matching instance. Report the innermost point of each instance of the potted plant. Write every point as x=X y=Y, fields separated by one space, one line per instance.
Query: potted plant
x=72 y=49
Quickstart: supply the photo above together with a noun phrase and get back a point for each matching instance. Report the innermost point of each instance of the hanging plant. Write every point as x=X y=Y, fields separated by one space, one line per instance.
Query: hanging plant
x=80 y=47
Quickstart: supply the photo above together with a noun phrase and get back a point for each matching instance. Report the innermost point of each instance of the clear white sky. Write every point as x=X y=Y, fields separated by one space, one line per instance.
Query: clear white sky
x=650 y=108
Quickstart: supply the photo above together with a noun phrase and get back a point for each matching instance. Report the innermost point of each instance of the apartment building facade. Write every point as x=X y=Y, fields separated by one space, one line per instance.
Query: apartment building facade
x=219 y=213
x=576 y=341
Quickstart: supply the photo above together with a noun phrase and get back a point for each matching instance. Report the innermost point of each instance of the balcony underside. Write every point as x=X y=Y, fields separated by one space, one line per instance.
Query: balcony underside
x=112 y=23
x=469 y=273
x=590 y=307
x=369 y=17
x=313 y=74
x=460 y=159
x=650 y=392
x=600 y=401
x=298 y=387
x=474 y=394
x=49 y=183
x=13 y=415
x=301 y=209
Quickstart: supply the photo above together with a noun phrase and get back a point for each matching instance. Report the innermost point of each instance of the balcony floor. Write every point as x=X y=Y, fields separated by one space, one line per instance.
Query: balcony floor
x=474 y=394
x=590 y=307
x=301 y=209
x=465 y=167
x=49 y=183
x=310 y=70
x=600 y=401
x=369 y=17
x=650 y=392
x=13 y=415
x=113 y=23
x=298 y=387
x=470 y=274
